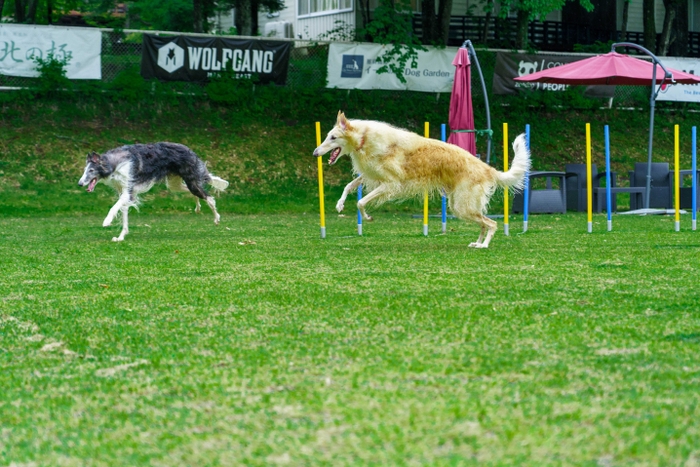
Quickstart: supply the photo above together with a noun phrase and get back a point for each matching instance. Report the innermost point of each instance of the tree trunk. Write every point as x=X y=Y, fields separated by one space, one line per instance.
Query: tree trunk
x=31 y=11
x=521 y=41
x=2 y=5
x=443 y=19
x=19 y=11
x=665 y=39
x=625 y=20
x=649 y=25
x=243 y=20
x=49 y=10
x=488 y=9
x=197 y=15
x=430 y=27
x=254 y=7
x=679 y=41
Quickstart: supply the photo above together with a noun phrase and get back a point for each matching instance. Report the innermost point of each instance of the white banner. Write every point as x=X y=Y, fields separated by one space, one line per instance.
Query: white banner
x=20 y=44
x=681 y=92
x=354 y=66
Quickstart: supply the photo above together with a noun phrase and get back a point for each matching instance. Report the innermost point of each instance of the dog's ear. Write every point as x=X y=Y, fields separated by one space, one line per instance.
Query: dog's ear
x=342 y=121
x=93 y=157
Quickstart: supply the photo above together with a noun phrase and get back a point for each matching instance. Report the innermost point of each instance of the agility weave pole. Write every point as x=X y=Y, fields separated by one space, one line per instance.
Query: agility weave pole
x=425 y=193
x=694 y=197
x=588 y=176
x=444 y=198
x=608 y=195
x=526 y=189
x=505 y=189
x=677 y=172
x=320 y=182
x=359 y=213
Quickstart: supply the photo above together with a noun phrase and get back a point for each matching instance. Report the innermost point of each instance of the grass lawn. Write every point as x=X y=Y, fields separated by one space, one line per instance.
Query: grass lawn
x=258 y=343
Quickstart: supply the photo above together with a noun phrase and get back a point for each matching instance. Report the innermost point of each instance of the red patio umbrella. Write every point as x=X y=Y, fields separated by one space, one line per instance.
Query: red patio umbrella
x=610 y=69
x=617 y=69
x=461 y=112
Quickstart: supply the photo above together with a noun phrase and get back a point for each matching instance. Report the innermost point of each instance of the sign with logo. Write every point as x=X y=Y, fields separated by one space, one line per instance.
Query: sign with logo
x=680 y=92
x=509 y=66
x=21 y=45
x=354 y=66
x=187 y=58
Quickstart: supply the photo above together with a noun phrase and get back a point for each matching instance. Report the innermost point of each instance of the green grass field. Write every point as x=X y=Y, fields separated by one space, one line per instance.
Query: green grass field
x=257 y=343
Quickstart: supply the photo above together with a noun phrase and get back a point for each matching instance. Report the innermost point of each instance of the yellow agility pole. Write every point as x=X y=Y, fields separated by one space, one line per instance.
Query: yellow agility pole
x=425 y=193
x=589 y=187
x=677 y=170
x=505 y=169
x=320 y=182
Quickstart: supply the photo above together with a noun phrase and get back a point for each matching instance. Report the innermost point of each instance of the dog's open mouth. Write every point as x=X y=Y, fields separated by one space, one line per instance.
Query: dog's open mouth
x=91 y=185
x=334 y=155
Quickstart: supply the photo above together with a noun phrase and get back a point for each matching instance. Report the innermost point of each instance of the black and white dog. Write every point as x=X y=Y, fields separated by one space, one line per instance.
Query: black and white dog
x=135 y=168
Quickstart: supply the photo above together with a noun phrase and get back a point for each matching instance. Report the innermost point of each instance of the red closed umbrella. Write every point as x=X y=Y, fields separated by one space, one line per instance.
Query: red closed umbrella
x=461 y=112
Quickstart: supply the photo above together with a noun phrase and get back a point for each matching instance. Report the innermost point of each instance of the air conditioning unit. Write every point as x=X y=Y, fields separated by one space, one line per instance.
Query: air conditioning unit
x=279 y=29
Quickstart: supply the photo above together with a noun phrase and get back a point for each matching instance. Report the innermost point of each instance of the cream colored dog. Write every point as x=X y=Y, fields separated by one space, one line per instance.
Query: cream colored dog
x=394 y=163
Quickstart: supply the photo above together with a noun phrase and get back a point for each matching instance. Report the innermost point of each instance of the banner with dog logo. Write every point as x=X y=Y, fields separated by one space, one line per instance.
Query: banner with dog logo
x=354 y=66
x=190 y=58
x=681 y=92
x=510 y=65
x=21 y=45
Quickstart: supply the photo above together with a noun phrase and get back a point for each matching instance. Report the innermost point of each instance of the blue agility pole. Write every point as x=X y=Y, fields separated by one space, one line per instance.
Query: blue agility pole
x=359 y=214
x=526 y=190
x=444 y=199
x=694 y=185
x=608 y=195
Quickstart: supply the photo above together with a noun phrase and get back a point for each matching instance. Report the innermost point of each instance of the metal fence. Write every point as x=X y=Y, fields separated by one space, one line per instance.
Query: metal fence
x=121 y=51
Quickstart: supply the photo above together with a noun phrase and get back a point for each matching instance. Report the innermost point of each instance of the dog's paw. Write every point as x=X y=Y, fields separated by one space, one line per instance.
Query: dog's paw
x=107 y=222
x=117 y=239
x=340 y=206
x=478 y=245
x=369 y=218
x=217 y=219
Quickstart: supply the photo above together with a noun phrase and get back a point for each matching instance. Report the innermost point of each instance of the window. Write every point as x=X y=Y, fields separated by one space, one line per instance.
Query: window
x=318 y=7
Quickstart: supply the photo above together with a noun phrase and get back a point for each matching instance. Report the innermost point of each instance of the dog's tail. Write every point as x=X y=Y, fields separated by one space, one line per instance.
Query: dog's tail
x=217 y=183
x=515 y=177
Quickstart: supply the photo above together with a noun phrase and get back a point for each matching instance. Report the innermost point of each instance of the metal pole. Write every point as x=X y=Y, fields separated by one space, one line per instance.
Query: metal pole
x=652 y=102
x=472 y=52
x=651 y=138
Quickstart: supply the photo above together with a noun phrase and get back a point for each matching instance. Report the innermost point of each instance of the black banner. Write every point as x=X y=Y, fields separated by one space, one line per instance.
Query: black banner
x=187 y=58
x=509 y=66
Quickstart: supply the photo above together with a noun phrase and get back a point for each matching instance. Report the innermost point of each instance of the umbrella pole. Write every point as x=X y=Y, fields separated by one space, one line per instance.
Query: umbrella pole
x=472 y=52
x=667 y=75
x=652 y=103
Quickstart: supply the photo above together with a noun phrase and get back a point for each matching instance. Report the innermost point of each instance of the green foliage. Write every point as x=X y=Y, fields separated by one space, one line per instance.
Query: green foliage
x=226 y=88
x=129 y=86
x=391 y=25
x=173 y=15
x=597 y=48
x=538 y=8
x=342 y=32
x=52 y=78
